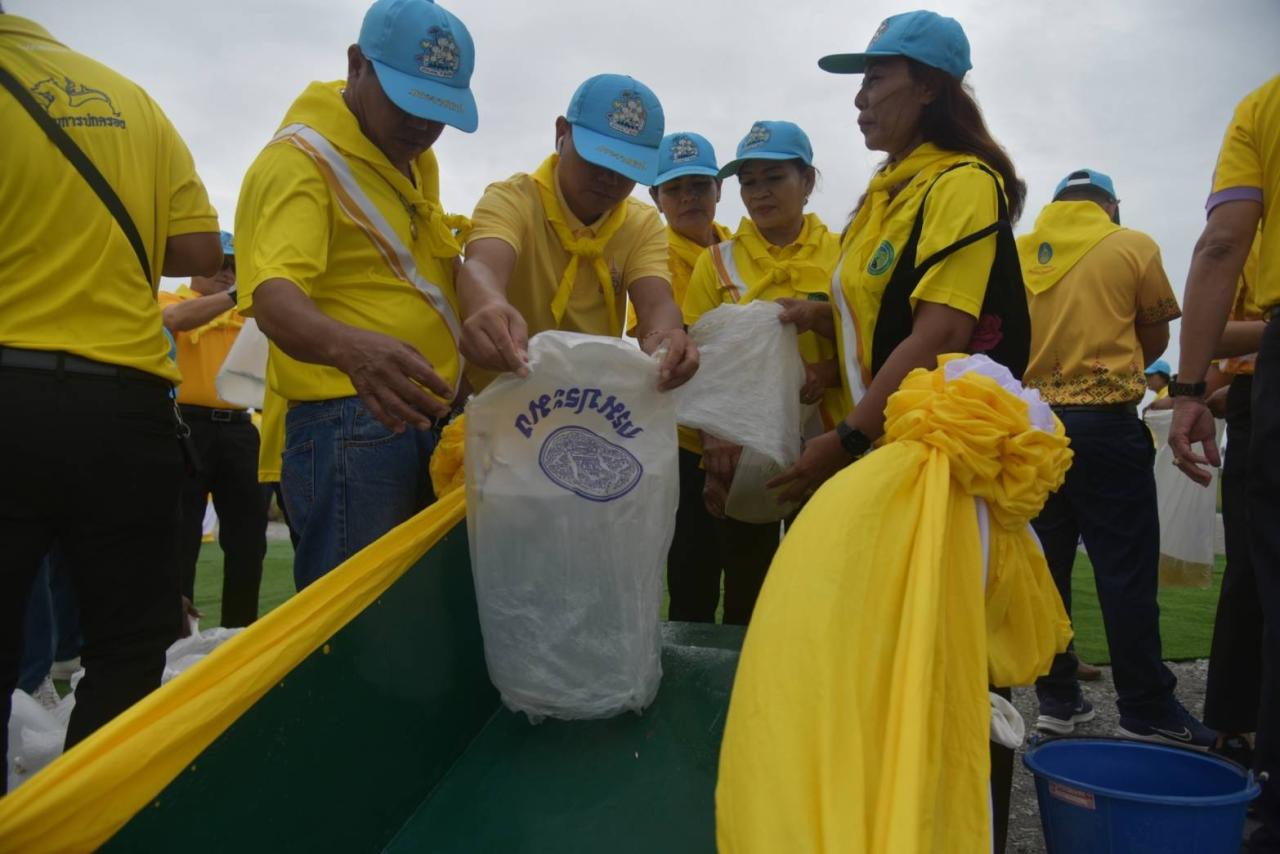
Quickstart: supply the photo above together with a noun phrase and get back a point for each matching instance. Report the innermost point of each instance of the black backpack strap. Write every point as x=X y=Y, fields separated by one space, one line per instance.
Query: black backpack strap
x=84 y=166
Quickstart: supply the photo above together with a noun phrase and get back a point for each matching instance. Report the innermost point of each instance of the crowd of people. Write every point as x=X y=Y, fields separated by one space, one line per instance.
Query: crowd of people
x=384 y=313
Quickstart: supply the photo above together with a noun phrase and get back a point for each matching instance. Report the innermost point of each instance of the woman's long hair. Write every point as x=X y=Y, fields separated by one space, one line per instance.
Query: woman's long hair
x=953 y=122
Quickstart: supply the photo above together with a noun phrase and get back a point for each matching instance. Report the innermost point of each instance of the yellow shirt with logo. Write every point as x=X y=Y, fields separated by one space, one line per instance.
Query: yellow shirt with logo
x=960 y=203
x=289 y=226
x=1084 y=342
x=811 y=279
x=511 y=211
x=1249 y=168
x=201 y=351
x=71 y=279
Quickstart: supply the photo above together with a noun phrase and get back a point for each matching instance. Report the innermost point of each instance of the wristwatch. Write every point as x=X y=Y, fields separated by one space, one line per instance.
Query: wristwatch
x=854 y=441
x=1177 y=389
x=234 y=294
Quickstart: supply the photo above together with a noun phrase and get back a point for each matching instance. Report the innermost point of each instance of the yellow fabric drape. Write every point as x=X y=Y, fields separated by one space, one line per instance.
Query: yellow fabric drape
x=446 y=469
x=586 y=248
x=859 y=717
x=1063 y=233
x=86 y=795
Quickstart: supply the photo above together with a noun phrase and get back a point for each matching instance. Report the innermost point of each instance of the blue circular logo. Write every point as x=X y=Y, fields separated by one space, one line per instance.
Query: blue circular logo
x=882 y=260
x=588 y=465
x=1045 y=253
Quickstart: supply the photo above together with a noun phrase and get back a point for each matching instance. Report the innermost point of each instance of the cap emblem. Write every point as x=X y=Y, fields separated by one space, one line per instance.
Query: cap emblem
x=441 y=56
x=683 y=149
x=628 y=115
x=756 y=137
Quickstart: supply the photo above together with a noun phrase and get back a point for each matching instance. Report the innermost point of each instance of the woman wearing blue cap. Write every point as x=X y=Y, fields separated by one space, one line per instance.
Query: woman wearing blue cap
x=778 y=253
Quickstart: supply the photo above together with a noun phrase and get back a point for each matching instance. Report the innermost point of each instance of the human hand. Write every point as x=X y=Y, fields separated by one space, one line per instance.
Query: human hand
x=808 y=316
x=818 y=377
x=681 y=359
x=715 y=494
x=389 y=376
x=495 y=336
x=720 y=457
x=1192 y=422
x=822 y=457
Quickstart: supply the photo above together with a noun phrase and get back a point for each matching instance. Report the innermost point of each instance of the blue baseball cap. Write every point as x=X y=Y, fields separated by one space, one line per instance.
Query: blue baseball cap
x=228 y=245
x=617 y=123
x=923 y=36
x=771 y=141
x=1087 y=178
x=423 y=56
x=683 y=154
x=1159 y=366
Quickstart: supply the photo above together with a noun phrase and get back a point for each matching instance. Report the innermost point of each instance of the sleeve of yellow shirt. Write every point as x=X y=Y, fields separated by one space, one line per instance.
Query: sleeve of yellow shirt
x=502 y=212
x=282 y=223
x=648 y=257
x=189 y=209
x=1157 y=302
x=961 y=202
x=1238 y=174
x=704 y=291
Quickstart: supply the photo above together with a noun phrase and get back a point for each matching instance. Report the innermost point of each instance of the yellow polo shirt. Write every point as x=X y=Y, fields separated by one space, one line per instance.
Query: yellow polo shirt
x=71 y=280
x=271 y=434
x=289 y=226
x=511 y=211
x=201 y=352
x=810 y=279
x=1084 y=343
x=1249 y=168
x=960 y=203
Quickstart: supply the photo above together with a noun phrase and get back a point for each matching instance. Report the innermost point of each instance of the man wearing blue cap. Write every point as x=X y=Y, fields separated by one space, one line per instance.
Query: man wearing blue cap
x=205 y=326
x=564 y=247
x=346 y=260
x=1158 y=375
x=1100 y=306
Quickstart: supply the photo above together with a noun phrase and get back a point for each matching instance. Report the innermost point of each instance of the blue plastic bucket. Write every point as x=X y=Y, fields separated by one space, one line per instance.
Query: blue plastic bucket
x=1108 y=796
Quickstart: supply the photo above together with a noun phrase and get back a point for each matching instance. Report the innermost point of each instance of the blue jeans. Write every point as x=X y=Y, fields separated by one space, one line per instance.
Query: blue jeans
x=347 y=480
x=51 y=628
x=1109 y=499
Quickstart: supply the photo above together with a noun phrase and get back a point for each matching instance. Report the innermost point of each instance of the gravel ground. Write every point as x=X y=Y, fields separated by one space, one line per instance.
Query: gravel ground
x=1025 y=835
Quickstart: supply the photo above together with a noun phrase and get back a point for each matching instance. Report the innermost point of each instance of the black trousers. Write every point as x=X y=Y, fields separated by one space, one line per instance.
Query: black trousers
x=94 y=464
x=1264 y=527
x=703 y=546
x=1234 y=687
x=228 y=456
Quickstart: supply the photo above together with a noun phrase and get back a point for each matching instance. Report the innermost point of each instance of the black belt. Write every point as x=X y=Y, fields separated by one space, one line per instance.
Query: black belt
x=67 y=363
x=1123 y=408
x=204 y=413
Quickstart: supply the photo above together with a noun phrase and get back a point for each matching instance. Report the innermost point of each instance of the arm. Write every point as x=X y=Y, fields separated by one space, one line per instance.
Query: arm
x=198 y=254
x=1240 y=338
x=192 y=313
x=658 y=321
x=937 y=329
x=388 y=374
x=494 y=334
x=1211 y=285
x=1153 y=338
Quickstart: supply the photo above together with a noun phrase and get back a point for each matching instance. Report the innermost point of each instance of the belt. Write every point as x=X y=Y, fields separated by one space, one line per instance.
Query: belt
x=67 y=363
x=205 y=413
x=1123 y=408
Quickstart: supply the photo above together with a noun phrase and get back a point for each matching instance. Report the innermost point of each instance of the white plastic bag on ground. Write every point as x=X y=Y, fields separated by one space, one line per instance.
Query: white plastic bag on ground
x=242 y=379
x=747 y=391
x=1188 y=513
x=572 y=487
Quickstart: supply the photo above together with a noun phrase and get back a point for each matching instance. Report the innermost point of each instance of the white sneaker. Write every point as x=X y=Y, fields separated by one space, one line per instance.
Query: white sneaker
x=47 y=695
x=63 y=670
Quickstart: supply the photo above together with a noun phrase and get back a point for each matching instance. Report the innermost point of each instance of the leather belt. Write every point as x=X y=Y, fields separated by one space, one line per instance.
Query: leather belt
x=205 y=413
x=56 y=361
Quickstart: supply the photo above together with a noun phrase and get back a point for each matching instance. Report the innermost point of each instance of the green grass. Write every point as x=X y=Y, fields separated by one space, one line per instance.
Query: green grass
x=1186 y=614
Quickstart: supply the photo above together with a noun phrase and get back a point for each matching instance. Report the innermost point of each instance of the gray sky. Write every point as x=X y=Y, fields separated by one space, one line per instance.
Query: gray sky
x=1142 y=90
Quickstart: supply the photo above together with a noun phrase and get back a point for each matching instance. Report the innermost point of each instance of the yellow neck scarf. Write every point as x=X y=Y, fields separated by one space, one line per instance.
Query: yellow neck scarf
x=1064 y=232
x=685 y=251
x=587 y=248
x=778 y=270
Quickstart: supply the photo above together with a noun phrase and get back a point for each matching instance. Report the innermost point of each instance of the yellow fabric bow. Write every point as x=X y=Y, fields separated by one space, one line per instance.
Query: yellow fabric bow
x=779 y=271
x=587 y=248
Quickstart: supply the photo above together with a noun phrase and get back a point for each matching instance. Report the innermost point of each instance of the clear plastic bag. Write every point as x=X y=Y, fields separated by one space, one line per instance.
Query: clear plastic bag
x=572 y=487
x=242 y=379
x=1188 y=512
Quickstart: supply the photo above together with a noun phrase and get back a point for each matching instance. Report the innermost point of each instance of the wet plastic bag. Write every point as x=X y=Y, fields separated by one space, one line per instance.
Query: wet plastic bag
x=747 y=391
x=572 y=487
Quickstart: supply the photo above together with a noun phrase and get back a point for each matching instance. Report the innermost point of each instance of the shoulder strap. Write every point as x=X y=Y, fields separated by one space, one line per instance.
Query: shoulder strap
x=1002 y=219
x=84 y=166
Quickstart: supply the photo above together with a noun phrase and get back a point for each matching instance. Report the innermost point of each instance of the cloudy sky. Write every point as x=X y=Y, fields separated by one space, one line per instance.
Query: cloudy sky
x=1141 y=89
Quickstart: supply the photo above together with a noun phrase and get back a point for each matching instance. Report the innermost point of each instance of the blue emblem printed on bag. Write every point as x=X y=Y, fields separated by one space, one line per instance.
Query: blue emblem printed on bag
x=588 y=465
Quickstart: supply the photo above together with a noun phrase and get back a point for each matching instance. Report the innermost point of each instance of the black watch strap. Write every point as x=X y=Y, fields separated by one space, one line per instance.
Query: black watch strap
x=854 y=441
x=1177 y=389
x=234 y=294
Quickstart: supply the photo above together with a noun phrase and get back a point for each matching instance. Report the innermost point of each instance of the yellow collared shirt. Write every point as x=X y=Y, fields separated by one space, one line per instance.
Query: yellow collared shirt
x=1249 y=168
x=201 y=352
x=289 y=226
x=72 y=281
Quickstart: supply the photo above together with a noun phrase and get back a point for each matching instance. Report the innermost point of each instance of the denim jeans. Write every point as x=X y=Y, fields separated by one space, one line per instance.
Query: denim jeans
x=37 y=635
x=347 y=480
x=1109 y=499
